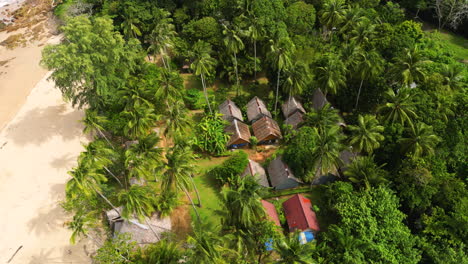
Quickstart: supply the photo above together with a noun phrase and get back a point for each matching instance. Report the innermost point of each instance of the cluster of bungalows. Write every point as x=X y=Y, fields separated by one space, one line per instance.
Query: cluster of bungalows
x=299 y=216
x=264 y=128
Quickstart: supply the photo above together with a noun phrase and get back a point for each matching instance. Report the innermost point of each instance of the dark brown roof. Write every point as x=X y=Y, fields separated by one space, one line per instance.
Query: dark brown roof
x=256 y=109
x=295 y=119
x=265 y=129
x=240 y=132
x=257 y=171
x=279 y=172
x=319 y=99
x=291 y=106
x=230 y=111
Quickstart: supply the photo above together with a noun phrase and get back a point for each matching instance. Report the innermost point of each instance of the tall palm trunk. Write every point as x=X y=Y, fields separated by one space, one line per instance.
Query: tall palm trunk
x=191 y=201
x=358 y=94
x=104 y=136
x=255 y=60
x=205 y=92
x=168 y=61
x=152 y=230
x=237 y=74
x=107 y=200
x=113 y=175
x=277 y=89
x=196 y=191
x=163 y=60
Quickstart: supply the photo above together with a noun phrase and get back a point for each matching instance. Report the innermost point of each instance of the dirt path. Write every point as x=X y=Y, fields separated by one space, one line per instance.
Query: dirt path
x=37 y=148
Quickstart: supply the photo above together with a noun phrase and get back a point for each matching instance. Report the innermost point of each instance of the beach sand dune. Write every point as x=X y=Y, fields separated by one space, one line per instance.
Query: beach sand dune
x=37 y=148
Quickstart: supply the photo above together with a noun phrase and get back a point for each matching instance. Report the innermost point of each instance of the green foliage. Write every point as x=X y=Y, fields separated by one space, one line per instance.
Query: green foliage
x=231 y=169
x=210 y=135
x=163 y=252
x=206 y=29
x=117 y=250
x=300 y=17
x=367 y=134
x=365 y=173
x=194 y=99
x=299 y=151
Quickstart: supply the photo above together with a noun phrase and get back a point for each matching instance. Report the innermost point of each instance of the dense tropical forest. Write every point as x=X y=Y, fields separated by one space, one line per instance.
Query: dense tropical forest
x=151 y=76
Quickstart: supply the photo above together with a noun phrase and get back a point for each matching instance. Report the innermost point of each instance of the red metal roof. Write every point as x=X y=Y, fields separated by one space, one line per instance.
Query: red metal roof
x=299 y=214
x=271 y=212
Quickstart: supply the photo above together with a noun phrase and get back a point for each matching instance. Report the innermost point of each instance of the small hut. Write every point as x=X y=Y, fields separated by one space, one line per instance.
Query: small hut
x=292 y=106
x=319 y=100
x=240 y=134
x=145 y=232
x=270 y=210
x=295 y=119
x=257 y=171
x=299 y=214
x=346 y=156
x=230 y=111
x=266 y=130
x=256 y=109
x=281 y=176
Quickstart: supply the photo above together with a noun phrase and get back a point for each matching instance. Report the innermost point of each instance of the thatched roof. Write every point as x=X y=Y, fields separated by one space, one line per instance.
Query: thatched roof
x=266 y=129
x=279 y=172
x=295 y=119
x=230 y=111
x=257 y=171
x=319 y=99
x=240 y=133
x=292 y=106
x=256 y=109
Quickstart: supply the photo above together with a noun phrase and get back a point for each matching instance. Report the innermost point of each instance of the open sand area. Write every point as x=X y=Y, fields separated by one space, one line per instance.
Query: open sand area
x=37 y=148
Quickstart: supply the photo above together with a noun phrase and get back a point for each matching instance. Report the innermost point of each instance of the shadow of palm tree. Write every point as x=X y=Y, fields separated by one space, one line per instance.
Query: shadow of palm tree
x=48 y=220
x=42 y=124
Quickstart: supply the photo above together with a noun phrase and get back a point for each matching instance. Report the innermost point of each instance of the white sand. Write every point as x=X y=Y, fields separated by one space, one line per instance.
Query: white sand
x=37 y=148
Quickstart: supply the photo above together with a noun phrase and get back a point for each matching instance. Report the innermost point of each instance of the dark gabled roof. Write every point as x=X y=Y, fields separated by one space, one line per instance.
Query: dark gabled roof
x=239 y=132
x=279 y=172
x=257 y=171
x=299 y=214
x=295 y=119
x=319 y=99
x=266 y=127
x=347 y=156
x=256 y=109
x=291 y=106
x=229 y=110
x=271 y=212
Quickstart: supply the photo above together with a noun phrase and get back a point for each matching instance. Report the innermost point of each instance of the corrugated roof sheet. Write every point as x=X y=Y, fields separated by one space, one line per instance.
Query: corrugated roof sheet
x=295 y=119
x=319 y=99
x=279 y=172
x=299 y=214
x=229 y=110
x=257 y=171
x=291 y=106
x=266 y=127
x=271 y=212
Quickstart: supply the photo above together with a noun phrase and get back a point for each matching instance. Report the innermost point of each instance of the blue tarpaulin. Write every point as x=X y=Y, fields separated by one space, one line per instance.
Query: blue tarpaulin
x=306 y=236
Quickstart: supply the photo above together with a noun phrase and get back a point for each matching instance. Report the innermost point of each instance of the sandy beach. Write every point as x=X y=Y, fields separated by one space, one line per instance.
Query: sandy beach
x=40 y=139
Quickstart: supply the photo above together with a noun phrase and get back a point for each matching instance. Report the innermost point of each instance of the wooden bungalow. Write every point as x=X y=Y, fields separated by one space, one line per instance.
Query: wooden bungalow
x=292 y=106
x=230 y=111
x=257 y=171
x=299 y=214
x=240 y=134
x=270 y=210
x=266 y=130
x=281 y=177
x=295 y=119
x=256 y=109
x=143 y=233
x=319 y=100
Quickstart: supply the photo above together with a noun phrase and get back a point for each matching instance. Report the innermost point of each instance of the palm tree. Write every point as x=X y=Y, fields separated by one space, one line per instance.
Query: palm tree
x=233 y=44
x=139 y=121
x=205 y=245
x=421 y=142
x=93 y=122
x=143 y=157
x=296 y=78
x=363 y=32
x=129 y=26
x=134 y=95
x=408 y=66
x=177 y=172
x=177 y=120
x=98 y=155
x=280 y=54
x=242 y=204
x=323 y=118
x=292 y=251
x=331 y=76
x=80 y=225
x=254 y=32
x=203 y=64
x=333 y=13
x=137 y=200
x=399 y=107
x=364 y=172
x=163 y=252
x=367 y=134
x=170 y=87
x=86 y=181
x=161 y=37
x=352 y=16
x=369 y=64
x=347 y=249
x=453 y=76
x=326 y=155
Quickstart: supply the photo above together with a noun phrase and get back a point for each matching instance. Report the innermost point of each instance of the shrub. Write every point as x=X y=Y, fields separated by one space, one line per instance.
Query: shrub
x=194 y=99
x=232 y=168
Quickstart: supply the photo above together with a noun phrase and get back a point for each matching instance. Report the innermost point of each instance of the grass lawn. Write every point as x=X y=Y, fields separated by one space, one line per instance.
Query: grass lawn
x=209 y=192
x=457 y=44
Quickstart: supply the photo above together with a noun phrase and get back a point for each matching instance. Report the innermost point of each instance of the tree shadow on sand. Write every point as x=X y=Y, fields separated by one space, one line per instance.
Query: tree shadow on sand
x=43 y=123
x=66 y=161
